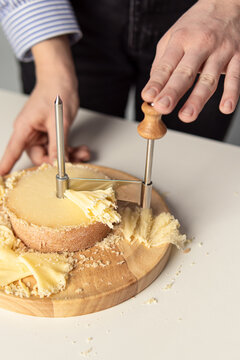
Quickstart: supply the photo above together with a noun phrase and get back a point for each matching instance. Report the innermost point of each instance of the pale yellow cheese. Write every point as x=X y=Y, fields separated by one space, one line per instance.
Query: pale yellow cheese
x=129 y=221
x=98 y=205
x=49 y=270
x=11 y=269
x=150 y=231
x=7 y=237
x=31 y=196
x=165 y=229
x=144 y=225
x=4 y=219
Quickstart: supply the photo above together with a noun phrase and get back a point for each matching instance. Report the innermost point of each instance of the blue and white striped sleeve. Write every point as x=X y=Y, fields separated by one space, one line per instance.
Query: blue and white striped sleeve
x=28 y=22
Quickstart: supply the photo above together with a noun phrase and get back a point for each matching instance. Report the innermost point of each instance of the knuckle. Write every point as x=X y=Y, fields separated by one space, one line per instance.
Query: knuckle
x=208 y=80
x=162 y=69
x=207 y=37
x=174 y=92
x=180 y=34
x=185 y=71
x=226 y=46
x=235 y=76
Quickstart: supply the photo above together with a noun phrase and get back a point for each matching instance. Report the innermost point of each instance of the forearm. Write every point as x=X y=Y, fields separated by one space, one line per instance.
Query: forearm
x=53 y=58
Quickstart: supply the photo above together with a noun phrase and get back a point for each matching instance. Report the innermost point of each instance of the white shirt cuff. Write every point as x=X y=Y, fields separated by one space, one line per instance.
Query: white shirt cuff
x=35 y=21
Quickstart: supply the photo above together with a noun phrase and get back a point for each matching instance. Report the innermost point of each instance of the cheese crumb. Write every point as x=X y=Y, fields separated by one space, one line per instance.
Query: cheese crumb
x=79 y=290
x=87 y=352
x=17 y=289
x=121 y=262
x=152 y=300
x=2 y=189
x=169 y=285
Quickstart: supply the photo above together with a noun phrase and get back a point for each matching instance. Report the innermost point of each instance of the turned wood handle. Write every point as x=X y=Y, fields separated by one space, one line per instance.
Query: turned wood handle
x=152 y=126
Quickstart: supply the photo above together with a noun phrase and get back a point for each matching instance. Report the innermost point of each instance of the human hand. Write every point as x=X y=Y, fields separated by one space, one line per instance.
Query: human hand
x=34 y=128
x=205 y=39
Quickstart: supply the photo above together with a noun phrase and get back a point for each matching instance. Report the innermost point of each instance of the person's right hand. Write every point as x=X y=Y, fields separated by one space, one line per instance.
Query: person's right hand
x=34 y=128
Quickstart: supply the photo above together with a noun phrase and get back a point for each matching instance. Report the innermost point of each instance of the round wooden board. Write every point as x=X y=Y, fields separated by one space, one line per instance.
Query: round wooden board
x=124 y=271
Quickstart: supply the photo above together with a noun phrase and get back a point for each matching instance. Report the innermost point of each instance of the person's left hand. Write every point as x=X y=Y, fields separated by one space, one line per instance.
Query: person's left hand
x=205 y=39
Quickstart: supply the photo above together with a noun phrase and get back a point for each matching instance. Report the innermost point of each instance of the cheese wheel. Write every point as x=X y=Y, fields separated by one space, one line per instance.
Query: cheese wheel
x=44 y=222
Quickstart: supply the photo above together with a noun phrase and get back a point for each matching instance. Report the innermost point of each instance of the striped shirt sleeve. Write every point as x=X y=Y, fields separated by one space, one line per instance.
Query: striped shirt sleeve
x=28 y=22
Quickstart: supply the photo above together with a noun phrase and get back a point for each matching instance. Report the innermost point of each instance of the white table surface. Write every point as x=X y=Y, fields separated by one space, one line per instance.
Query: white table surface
x=199 y=316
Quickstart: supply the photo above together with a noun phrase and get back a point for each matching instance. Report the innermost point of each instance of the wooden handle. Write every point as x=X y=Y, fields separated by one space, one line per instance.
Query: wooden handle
x=152 y=126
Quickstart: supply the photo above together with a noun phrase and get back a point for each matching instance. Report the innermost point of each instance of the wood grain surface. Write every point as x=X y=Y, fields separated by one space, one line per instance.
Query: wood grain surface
x=123 y=271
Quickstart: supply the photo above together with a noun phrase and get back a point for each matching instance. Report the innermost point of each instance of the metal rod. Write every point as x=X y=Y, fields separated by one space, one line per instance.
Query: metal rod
x=61 y=178
x=60 y=136
x=146 y=192
x=149 y=161
x=108 y=180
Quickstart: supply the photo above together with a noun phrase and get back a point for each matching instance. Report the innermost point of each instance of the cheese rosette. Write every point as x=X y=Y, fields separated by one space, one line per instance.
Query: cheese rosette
x=152 y=231
x=49 y=270
x=98 y=205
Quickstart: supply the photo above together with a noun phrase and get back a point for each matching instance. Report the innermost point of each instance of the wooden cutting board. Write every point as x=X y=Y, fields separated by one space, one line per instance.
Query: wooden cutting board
x=105 y=275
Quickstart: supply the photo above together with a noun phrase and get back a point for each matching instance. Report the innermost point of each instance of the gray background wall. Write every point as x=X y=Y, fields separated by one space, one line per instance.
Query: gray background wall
x=9 y=80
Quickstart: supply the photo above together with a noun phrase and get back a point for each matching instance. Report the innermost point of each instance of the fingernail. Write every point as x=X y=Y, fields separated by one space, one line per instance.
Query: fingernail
x=227 y=105
x=188 y=110
x=165 y=101
x=151 y=92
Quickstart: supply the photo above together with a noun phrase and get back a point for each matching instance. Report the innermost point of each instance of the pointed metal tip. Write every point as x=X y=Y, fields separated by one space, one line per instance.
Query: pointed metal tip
x=58 y=100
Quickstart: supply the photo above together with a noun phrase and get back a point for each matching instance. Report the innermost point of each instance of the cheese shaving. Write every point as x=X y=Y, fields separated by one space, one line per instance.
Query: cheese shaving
x=98 y=205
x=165 y=229
x=152 y=232
x=49 y=270
x=143 y=228
x=11 y=269
x=129 y=222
